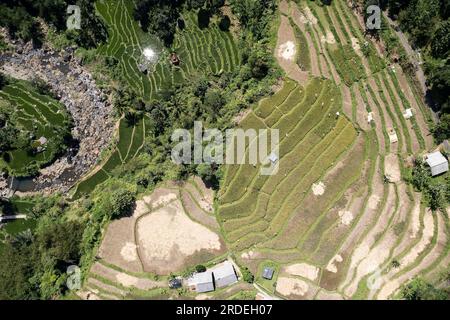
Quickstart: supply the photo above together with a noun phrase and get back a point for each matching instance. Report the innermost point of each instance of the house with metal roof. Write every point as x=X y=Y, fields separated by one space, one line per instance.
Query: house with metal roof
x=201 y=282
x=437 y=162
x=268 y=273
x=224 y=274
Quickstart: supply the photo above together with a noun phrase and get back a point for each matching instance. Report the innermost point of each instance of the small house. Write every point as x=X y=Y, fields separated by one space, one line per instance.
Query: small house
x=201 y=282
x=370 y=117
x=174 y=59
x=408 y=113
x=224 y=274
x=437 y=162
x=268 y=273
x=42 y=141
x=142 y=67
x=393 y=136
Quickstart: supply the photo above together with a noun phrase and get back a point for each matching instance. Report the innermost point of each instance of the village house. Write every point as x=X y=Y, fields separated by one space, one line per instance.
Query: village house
x=220 y=276
x=268 y=273
x=201 y=282
x=437 y=162
x=224 y=274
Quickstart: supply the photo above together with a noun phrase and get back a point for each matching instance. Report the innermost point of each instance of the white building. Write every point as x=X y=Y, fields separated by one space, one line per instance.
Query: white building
x=201 y=282
x=408 y=113
x=393 y=136
x=224 y=274
x=437 y=162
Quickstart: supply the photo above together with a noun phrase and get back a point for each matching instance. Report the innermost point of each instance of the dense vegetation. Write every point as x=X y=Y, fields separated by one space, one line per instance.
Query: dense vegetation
x=33 y=263
x=161 y=18
x=419 y=289
x=21 y=20
x=436 y=191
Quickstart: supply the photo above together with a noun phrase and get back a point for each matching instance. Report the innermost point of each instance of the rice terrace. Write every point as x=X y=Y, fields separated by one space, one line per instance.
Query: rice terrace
x=358 y=208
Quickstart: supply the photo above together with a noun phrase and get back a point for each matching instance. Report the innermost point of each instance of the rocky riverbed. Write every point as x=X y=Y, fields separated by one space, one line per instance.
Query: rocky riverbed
x=89 y=107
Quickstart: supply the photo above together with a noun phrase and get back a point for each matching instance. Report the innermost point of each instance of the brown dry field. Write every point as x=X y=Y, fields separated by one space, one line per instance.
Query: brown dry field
x=160 y=237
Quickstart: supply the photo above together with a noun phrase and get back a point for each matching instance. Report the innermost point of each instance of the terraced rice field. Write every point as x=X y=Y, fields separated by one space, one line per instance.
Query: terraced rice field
x=36 y=113
x=200 y=50
x=138 y=253
x=130 y=141
x=208 y=50
x=338 y=212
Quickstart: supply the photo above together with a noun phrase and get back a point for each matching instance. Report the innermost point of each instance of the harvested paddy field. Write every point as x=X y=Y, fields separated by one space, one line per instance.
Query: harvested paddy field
x=162 y=235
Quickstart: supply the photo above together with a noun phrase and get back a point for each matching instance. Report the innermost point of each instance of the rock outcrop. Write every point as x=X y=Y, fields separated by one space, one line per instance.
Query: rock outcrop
x=75 y=87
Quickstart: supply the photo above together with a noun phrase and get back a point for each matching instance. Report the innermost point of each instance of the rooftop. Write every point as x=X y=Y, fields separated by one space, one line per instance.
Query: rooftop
x=435 y=159
x=268 y=273
x=224 y=274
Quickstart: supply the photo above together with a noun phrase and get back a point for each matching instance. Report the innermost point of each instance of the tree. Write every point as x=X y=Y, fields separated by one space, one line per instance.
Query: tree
x=254 y=16
x=16 y=268
x=3 y=81
x=418 y=19
x=214 y=101
x=395 y=264
x=420 y=176
x=225 y=23
x=209 y=174
x=195 y=4
x=258 y=63
x=200 y=268
x=437 y=197
x=419 y=289
x=247 y=275
x=441 y=131
x=159 y=18
x=203 y=18
x=122 y=202
x=440 y=43
x=61 y=241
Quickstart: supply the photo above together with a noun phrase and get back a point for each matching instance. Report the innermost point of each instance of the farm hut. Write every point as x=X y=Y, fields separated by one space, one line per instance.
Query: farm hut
x=201 y=282
x=268 y=273
x=408 y=113
x=143 y=68
x=42 y=140
x=224 y=274
x=174 y=59
x=393 y=136
x=370 y=117
x=437 y=162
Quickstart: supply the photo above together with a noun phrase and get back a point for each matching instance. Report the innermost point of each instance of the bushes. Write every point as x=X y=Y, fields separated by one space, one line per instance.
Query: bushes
x=122 y=202
x=419 y=289
x=33 y=266
x=225 y=23
x=247 y=276
x=203 y=18
x=200 y=268
x=436 y=192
